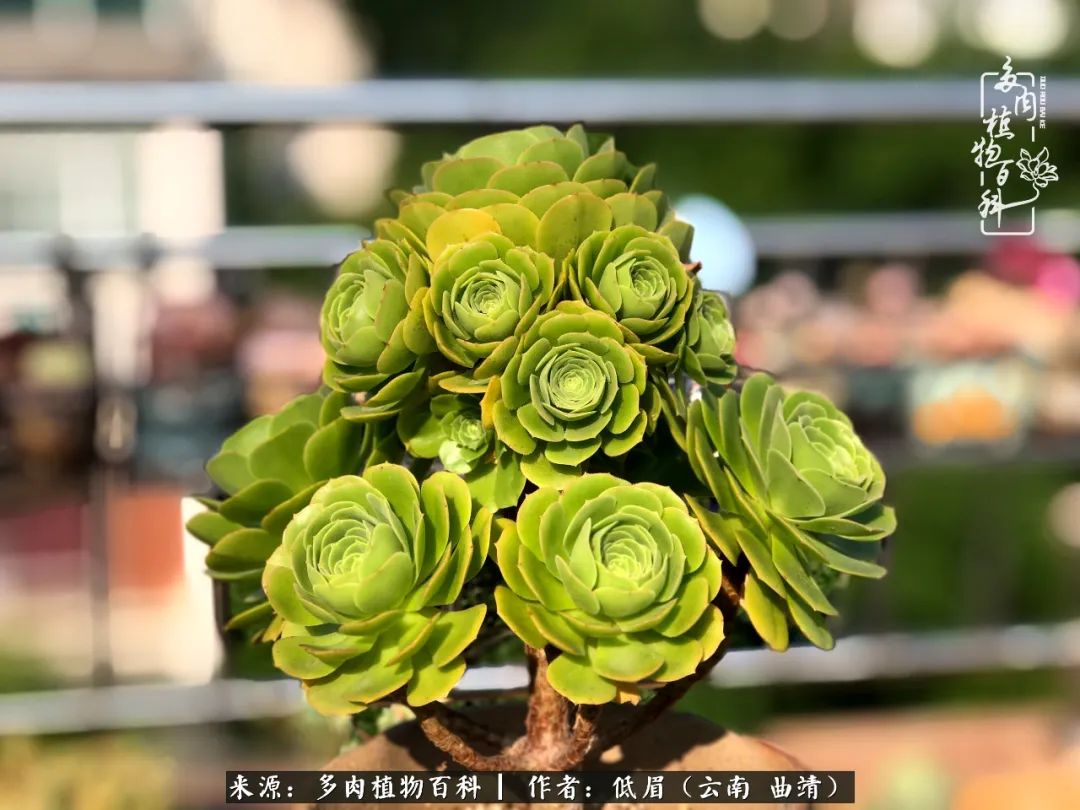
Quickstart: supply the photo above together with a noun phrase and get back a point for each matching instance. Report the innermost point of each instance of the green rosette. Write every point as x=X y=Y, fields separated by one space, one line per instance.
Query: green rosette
x=450 y=429
x=484 y=294
x=574 y=388
x=539 y=187
x=638 y=279
x=363 y=579
x=375 y=340
x=708 y=350
x=798 y=494
x=618 y=577
x=268 y=470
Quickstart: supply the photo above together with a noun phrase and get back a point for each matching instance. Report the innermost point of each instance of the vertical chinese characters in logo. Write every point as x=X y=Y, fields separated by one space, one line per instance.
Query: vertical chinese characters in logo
x=1013 y=170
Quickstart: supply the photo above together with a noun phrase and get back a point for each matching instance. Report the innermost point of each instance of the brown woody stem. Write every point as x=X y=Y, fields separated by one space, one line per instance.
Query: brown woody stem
x=583 y=738
x=547 y=722
x=550 y=742
x=444 y=727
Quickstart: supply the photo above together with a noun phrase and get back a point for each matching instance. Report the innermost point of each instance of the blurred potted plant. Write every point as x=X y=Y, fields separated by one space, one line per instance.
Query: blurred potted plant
x=506 y=442
x=100 y=774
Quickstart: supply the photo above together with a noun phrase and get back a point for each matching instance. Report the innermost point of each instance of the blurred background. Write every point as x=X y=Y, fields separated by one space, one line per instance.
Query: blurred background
x=177 y=178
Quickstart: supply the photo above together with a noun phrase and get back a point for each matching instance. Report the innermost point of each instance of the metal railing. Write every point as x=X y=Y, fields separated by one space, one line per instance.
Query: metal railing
x=895 y=235
x=429 y=101
x=856 y=658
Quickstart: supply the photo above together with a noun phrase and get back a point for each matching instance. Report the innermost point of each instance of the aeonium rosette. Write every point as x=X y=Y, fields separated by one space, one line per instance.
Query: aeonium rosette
x=537 y=186
x=484 y=293
x=637 y=278
x=708 y=354
x=799 y=495
x=521 y=160
x=450 y=428
x=268 y=470
x=619 y=577
x=374 y=341
x=574 y=387
x=363 y=578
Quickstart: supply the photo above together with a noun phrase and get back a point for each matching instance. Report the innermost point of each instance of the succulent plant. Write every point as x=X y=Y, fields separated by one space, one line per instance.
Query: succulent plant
x=451 y=429
x=798 y=493
x=268 y=470
x=619 y=577
x=539 y=187
x=483 y=294
x=573 y=388
x=521 y=335
x=362 y=579
x=374 y=341
x=709 y=348
x=637 y=278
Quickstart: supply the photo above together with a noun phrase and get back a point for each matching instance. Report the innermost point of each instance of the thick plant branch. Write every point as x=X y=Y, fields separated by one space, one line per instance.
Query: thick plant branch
x=469 y=730
x=549 y=743
x=443 y=727
x=731 y=590
x=547 y=722
x=472 y=729
x=583 y=737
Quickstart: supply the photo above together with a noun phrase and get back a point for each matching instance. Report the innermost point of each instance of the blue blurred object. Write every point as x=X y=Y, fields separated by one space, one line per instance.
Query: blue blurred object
x=721 y=243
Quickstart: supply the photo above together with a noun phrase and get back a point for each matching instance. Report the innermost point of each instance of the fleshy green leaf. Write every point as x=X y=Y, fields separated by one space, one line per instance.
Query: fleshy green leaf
x=454 y=227
x=249 y=505
x=569 y=221
x=810 y=623
x=512 y=610
x=574 y=679
x=430 y=682
x=792 y=568
x=209 y=527
x=766 y=611
x=624 y=658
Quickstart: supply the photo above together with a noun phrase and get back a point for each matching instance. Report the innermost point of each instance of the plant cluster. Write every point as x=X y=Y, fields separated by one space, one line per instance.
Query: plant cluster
x=530 y=323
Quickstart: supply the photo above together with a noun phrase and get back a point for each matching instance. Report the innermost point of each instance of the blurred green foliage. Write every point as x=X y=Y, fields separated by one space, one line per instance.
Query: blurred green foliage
x=747 y=709
x=19 y=673
x=973 y=549
x=609 y=38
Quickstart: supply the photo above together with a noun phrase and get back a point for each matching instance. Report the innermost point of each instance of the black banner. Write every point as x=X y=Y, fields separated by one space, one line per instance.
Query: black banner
x=374 y=787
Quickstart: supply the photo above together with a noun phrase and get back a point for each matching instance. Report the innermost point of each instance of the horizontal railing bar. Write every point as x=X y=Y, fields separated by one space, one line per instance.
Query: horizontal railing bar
x=886 y=235
x=596 y=100
x=856 y=658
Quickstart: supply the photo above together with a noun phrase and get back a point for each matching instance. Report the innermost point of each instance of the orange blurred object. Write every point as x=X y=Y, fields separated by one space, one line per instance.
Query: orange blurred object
x=1055 y=787
x=145 y=538
x=971 y=413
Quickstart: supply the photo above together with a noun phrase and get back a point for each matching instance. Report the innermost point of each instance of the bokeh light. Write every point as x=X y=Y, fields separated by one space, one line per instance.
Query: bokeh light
x=898 y=33
x=1022 y=29
x=733 y=19
x=721 y=243
x=798 y=19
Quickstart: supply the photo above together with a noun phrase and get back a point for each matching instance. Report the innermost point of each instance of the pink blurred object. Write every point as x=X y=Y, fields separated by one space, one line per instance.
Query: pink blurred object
x=1016 y=259
x=1058 y=280
x=893 y=290
x=1022 y=260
